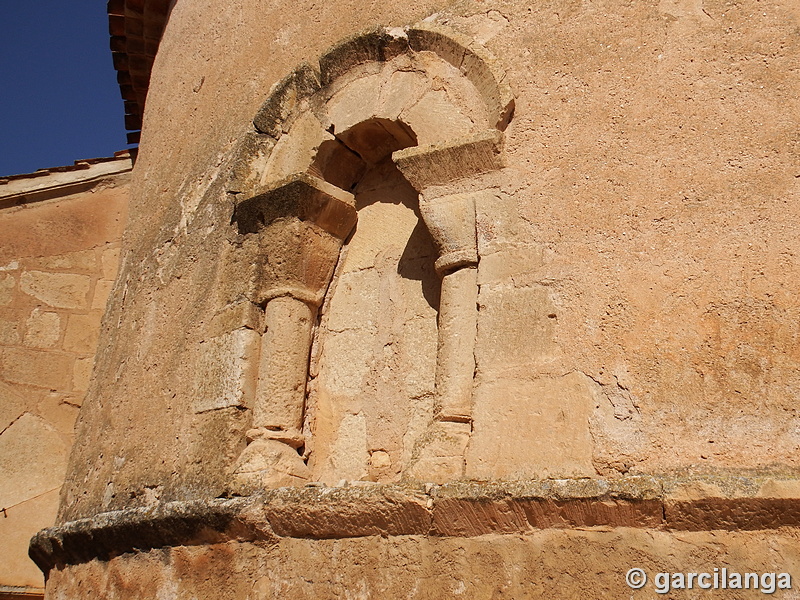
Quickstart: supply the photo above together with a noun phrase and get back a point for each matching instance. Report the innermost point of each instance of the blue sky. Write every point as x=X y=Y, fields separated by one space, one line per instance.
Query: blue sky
x=59 y=99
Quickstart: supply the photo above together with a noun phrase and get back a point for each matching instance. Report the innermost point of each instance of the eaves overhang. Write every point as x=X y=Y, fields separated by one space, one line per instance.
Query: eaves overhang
x=136 y=27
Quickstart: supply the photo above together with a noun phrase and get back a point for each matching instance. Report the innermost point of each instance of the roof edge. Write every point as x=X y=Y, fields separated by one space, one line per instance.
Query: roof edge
x=136 y=27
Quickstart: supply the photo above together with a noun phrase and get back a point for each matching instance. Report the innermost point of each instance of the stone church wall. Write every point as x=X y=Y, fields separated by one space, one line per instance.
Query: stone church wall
x=60 y=237
x=466 y=289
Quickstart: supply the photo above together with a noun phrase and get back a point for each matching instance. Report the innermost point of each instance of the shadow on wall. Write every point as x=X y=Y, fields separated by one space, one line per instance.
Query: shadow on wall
x=374 y=356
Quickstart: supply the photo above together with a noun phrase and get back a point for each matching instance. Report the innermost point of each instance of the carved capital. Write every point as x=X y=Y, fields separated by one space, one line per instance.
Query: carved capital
x=435 y=171
x=451 y=223
x=301 y=224
x=440 y=164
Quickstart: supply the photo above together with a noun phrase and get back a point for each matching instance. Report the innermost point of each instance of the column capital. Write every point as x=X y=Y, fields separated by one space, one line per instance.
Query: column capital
x=442 y=164
x=301 y=196
x=299 y=227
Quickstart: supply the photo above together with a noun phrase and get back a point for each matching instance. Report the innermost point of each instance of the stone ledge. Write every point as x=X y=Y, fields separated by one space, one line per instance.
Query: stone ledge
x=461 y=509
x=11 y=592
x=57 y=182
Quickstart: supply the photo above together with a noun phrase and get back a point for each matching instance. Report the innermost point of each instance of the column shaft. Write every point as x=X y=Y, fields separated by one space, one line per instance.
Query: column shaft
x=455 y=363
x=283 y=366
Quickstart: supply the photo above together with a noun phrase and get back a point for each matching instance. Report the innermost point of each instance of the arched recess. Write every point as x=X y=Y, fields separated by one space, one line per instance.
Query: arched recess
x=434 y=105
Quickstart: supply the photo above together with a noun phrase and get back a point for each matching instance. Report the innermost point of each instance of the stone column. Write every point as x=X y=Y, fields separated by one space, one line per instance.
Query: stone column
x=447 y=177
x=451 y=222
x=301 y=224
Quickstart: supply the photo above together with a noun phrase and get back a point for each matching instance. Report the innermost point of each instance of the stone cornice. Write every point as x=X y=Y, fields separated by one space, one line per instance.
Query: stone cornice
x=57 y=182
x=727 y=502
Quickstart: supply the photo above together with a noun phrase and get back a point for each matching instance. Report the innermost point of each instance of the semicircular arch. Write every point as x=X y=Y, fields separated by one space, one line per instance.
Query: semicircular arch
x=426 y=87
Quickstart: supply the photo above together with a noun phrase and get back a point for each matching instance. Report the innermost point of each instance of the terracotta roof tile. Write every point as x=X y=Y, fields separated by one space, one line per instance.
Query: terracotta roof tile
x=136 y=27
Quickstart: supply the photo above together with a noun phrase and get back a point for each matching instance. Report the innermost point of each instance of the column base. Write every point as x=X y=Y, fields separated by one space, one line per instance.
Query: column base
x=440 y=454
x=267 y=464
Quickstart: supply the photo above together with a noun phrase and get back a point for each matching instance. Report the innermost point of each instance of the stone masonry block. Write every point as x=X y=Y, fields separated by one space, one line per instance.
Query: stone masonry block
x=13 y=402
x=226 y=370
x=16 y=528
x=61 y=290
x=504 y=445
x=43 y=329
x=83 y=260
x=59 y=410
x=235 y=316
x=445 y=43
x=295 y=151
x=346 y=512
x=284 y=98
x=110 y=262
x=402 y=90
x=353 y=103
x=486 y=74
x=82 y=333
x=81 y=374
x=7 y=284
x=32 y=460
x=516 y=330
x=252 y=155
x=436 y=118
x=377 y=45
x=102 y=290
x=10 y=327
x=46 y=369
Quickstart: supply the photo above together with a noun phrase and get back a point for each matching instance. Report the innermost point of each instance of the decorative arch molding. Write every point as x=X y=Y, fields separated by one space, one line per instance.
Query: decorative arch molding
x=380 y=45
x=436 y=105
